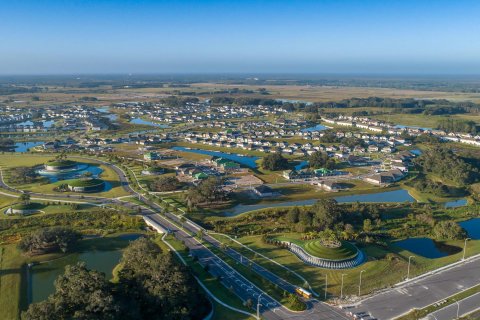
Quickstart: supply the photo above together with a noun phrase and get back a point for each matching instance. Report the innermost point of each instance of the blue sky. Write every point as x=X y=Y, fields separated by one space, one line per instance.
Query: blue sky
x=424 y=37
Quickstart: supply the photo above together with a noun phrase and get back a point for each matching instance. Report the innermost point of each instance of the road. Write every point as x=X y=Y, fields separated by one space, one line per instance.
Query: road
x=422 y=292
x=464 y=307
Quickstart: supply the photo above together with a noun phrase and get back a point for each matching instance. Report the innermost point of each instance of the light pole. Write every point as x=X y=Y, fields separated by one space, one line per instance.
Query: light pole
x=458 y=309
x=360 y=283
x=326 y=285
x=408 y=269
x=465 y=248
x=258 y=306
x=341 y=288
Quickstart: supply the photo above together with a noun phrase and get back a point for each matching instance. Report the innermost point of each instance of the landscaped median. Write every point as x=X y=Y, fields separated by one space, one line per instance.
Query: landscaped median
x=421 y=313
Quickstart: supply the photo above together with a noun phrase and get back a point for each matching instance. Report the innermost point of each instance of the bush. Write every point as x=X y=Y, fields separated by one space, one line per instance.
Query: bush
x=49 y=240
x=448 y=230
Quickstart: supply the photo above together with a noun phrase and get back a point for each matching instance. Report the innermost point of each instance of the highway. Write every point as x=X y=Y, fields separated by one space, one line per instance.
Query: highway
x=422 y=292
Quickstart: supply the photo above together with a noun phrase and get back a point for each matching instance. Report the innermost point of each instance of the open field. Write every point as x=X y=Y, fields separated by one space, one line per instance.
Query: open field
x=329 y=93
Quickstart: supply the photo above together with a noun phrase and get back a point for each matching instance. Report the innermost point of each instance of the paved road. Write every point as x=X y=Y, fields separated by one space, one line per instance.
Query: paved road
x=422 y=292
x=466 y=305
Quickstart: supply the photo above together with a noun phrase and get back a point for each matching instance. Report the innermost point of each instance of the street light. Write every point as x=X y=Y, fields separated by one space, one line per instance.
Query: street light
x=360 y=282
x=465 y=248
x=408 y=269
x=341 y=288
x=458 y=309
x=258 y=306
x=326 y=285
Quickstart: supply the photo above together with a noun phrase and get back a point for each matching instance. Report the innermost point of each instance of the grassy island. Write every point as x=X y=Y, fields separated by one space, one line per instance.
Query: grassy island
x=316 y=248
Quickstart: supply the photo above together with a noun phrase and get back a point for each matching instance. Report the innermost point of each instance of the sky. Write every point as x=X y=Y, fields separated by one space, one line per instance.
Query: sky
x=374 y=37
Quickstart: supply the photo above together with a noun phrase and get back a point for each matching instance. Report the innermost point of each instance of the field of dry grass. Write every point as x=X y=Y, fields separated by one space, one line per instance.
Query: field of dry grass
x=106 y=94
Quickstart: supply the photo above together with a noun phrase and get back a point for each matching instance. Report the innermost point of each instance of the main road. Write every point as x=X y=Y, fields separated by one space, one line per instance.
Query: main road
x=422 y=292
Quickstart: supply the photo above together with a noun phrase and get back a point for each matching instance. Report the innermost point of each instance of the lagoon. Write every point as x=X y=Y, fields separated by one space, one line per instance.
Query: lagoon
x=455 y=203
x=400 y=195
x=426 y=247
x=318 y=127
x=472 y=227
x=24 y=146
x=44 y=274
x=148 y=123
x=247 y=161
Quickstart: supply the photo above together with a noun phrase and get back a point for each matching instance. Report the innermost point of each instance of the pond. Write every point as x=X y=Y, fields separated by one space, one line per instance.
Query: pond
x=399 y=126
x=77 y=172
x=472 y=227
x=318 y=127
x=416 y=152
x=44 y=274
x=294 y=101
x=426 y=247
x=400 y=195
x=45 y=123
x=456 y=203
x=148 y=123
x=247 y=161
x=301 y=165
x=24 y=146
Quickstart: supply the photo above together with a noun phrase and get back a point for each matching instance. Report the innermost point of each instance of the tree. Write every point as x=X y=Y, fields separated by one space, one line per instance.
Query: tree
x=274 y=162
x=320 y=159
x=293 y=215
x=80 y=293
x=49 y=240
x=448 y=230
x=209 y=190
x=167 y=183
x=367 y=225
x=157 y=286
x=25 y=198
x=23 y=174
x=326 y=212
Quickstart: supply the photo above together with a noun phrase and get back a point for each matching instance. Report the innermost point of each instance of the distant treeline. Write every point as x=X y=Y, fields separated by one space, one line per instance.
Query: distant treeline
x=455 y=125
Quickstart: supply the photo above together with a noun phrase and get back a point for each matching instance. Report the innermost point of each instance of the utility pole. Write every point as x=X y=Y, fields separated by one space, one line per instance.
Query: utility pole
x=465 y=248
x=360 y=283
x=341 y=288
x=408 y=269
